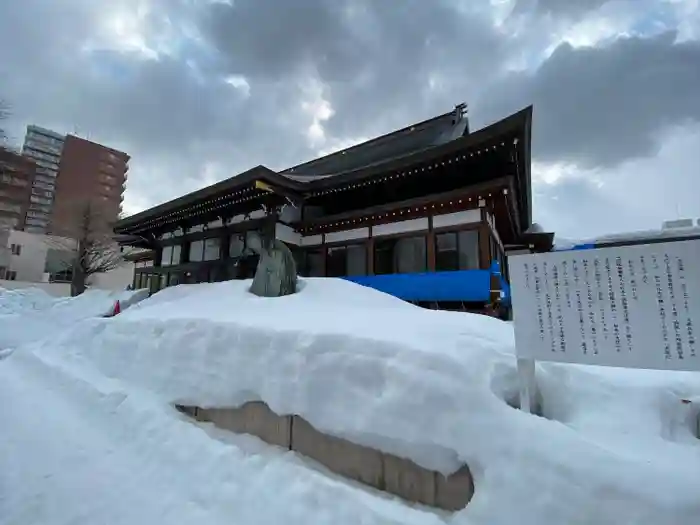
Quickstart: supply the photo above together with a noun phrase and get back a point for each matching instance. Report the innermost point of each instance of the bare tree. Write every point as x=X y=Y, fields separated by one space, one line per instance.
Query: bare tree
x=92 y=248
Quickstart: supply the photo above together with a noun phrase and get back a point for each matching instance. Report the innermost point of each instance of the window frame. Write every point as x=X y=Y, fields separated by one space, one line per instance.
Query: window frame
x=474 y=229
x=395 y=238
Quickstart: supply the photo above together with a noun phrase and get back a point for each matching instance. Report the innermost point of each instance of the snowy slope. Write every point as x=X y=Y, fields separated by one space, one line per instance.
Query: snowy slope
x=104 y=455
x=430 y=386
x=29 y=314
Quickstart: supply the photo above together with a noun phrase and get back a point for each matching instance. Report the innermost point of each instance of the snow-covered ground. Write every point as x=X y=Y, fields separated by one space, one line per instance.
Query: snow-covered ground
x=90 y=435
x=28 y=314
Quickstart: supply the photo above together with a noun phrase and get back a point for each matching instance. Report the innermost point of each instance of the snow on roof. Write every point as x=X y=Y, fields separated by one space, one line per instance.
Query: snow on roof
x=426 y=385
x=638 y=236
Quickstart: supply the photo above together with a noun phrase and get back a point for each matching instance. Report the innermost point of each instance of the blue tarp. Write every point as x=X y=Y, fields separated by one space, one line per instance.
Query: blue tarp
x=464 y=285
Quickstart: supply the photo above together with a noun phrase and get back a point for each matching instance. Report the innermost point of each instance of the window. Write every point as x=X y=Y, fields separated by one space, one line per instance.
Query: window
x=177 y=254
x=166 y=256
x=402 y=255
x=16 y=249
x=236 y=246
x=457 y=250
x=336 y=262
x=313 y=263
x=346 y=261
x=212 y=249
x=196 y=251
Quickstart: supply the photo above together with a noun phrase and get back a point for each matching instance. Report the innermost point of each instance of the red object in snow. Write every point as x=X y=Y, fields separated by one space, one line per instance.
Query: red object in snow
x=117 y=309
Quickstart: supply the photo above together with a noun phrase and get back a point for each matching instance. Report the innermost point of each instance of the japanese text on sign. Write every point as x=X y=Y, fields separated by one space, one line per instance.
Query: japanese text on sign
x=631 y=306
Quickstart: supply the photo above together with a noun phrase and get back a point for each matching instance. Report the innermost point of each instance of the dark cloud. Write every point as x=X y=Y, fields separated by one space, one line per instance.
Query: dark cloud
x=560 y=8
x=378 y=61
x=598 y=106
x=378 y=65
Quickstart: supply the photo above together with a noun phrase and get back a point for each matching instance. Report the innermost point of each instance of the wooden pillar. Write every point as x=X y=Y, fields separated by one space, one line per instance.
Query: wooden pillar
x=484 y=246
x=157 y=256
x=370 y=253
x=430 y=245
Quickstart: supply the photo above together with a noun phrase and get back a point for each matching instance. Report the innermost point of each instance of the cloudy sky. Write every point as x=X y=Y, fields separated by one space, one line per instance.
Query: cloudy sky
x=199 y=90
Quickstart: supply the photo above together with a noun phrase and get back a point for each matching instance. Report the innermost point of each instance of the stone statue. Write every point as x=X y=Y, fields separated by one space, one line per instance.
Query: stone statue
x=276 y=274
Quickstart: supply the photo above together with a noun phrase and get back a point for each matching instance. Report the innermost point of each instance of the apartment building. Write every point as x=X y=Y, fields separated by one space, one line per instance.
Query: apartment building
x=88 y=173
x=17 y=174
x=44 y=147
x=70 y=172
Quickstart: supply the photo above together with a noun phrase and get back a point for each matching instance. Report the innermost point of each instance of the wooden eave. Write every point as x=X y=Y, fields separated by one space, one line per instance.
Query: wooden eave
x=243 y=188
x=447 y=202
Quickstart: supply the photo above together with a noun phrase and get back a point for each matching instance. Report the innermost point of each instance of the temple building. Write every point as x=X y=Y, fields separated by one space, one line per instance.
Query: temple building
x=426 y=213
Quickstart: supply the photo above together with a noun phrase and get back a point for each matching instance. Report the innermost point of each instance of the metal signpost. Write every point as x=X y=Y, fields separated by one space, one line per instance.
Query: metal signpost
x=634 y=306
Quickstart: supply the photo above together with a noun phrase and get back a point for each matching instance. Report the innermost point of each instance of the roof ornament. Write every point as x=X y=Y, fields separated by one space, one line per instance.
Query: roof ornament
x=460 y=111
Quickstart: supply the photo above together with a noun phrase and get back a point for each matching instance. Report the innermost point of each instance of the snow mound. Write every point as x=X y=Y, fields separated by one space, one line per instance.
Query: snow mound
x=30 y=313
x=615 y=446
x=24 y=299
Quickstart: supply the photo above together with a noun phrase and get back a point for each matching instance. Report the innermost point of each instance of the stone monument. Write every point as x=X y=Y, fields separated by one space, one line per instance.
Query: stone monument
x=276 y=273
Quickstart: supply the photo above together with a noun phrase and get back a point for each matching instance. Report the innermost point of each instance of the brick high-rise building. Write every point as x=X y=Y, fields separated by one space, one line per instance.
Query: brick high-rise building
x=17 y=174
x=88 y=173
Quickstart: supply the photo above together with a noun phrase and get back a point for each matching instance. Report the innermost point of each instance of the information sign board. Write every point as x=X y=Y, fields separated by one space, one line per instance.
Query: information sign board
x=630 y=306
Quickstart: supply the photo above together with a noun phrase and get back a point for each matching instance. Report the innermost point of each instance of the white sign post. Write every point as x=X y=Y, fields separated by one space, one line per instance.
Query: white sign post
x=629 y=306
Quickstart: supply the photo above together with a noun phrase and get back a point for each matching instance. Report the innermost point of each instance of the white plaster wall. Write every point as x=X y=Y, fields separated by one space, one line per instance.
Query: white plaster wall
x=400 y=227
x=117 y=279
x=454 y=219
x=287 y=234
x=348 y=235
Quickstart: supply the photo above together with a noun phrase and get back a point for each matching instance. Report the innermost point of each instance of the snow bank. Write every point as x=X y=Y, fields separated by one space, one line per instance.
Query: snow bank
x=426 y=385
x=80 y=453
x=28 y=314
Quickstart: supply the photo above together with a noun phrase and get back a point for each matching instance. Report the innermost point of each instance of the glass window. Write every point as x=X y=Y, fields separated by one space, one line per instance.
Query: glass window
x=315 y=263
x=236 y=246
x=163 y=280
x=403 y=255
x=411 y=255
x=336 y=262
x=212 y=249
x=196 y=251
x=383 y=257
x=468 y=241
x=356 y=259
x=446 y=252
x=166 y=256
x=177 y=252
x=457 y=250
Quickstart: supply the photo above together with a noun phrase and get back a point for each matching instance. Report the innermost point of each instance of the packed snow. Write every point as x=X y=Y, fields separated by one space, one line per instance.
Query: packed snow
x=27 y=314
x=91 y=435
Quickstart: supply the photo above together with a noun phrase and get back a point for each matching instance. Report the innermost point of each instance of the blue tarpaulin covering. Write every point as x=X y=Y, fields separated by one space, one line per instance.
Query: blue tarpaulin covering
x=464 y=285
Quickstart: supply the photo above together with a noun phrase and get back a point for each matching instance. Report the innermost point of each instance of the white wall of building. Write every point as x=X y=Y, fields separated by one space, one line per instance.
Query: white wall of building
x=29 y=264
